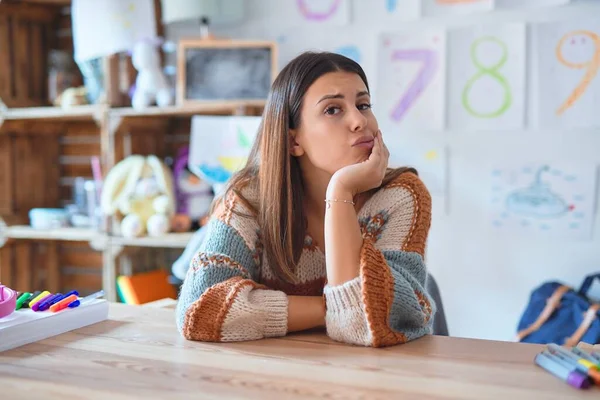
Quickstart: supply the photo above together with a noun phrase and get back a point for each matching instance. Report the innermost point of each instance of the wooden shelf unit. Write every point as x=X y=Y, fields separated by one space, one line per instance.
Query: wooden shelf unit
x=118 y=132
x=44 y=148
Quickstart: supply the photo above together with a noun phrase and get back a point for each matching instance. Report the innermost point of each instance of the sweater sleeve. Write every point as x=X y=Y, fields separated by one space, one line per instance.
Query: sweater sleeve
x=220 y=299
x=387 y=303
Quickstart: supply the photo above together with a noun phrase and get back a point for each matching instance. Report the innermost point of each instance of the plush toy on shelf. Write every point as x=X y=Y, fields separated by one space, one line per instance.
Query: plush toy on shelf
x=193 y=195
x=140 y=189
x=151 y=84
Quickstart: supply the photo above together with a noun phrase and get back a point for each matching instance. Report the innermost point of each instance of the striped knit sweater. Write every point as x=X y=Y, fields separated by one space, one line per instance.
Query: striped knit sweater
x=231 y=294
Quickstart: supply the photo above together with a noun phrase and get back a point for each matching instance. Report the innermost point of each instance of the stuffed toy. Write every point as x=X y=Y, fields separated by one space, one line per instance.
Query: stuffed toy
x=140 y=189
x=151 y=84
x=193 y=195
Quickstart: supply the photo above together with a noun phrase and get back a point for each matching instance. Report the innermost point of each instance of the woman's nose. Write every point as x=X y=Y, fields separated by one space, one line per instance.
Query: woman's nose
x=358 y=121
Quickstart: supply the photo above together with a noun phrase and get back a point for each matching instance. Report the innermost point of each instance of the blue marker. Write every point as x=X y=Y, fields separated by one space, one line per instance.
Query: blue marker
x=62 y=296
x=44 y=305
x=87 y=299
x=562 y=370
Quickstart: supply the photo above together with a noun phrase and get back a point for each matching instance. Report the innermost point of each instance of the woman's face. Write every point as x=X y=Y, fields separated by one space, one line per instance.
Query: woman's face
x=337 y=125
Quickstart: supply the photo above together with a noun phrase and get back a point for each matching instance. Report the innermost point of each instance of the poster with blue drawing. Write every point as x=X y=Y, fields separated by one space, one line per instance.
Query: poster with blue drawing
x=554 y=200
x=386 y=11
x=220 y=145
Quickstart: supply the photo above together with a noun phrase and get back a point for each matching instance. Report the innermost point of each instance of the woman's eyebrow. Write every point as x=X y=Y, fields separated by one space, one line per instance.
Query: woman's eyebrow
x=341 y=96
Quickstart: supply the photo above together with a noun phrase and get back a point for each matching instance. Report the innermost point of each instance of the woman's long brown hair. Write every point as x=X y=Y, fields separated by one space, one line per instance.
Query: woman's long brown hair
x=276 y=173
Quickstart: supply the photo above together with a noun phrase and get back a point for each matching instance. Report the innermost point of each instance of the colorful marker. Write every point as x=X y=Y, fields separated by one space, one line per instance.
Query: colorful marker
x=45 y=304
x=586 y=357
x=87 y=299
x=38 y=298
x=63 y=303
x=582 y=365
x=22 y=299
x=33 y=296
x=36 y=306
x=562 y=370
x=62 y=296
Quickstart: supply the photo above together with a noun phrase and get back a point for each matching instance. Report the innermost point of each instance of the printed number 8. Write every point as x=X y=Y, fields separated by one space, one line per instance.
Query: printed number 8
x=492 y=72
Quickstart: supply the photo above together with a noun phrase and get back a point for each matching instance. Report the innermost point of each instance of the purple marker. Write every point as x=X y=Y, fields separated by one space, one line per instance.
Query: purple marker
x=36 y=306
x=45 y=304
x=62 y=296
x=562 y=370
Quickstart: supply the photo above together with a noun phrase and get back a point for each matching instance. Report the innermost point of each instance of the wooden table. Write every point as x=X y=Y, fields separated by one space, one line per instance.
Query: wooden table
x=137 y=353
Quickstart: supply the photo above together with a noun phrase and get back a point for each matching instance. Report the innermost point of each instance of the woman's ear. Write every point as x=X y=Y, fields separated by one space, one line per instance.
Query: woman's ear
x=295 y=149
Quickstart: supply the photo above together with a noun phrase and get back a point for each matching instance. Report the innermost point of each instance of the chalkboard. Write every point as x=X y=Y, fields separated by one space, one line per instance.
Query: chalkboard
x=217 y=71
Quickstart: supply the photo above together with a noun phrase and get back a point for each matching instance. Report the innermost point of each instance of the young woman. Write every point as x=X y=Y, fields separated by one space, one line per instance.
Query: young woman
x=315 y=231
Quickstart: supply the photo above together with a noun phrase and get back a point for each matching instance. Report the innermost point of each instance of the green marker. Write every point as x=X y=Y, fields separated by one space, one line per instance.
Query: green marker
x=22 y=299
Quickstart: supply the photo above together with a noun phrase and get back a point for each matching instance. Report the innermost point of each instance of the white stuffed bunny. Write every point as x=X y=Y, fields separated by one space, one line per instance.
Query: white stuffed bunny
x=151 y=84
x=141 y=190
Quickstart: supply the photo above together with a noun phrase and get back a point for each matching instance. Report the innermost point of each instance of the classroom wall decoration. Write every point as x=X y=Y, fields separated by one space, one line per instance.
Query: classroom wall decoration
x=528 y=3
x=455 y=7
x=324 y=12
x=401 y=10
x=411 y=82
x=543 y=199
x=568 y=81
x=487 y=77
x=430 y=161
x=220 y=145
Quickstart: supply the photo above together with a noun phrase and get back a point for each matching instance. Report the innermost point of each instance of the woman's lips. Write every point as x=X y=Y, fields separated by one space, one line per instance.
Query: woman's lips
x=366 y=143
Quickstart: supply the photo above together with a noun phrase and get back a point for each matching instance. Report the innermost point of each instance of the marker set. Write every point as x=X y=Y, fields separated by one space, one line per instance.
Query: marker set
x=578 y=368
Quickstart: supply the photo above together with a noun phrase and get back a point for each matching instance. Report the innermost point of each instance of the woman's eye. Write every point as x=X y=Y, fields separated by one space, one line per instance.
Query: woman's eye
x=332 y=110
x=365 y=106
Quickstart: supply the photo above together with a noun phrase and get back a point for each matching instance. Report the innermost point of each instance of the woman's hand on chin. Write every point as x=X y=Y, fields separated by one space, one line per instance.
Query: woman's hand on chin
x=357 y=178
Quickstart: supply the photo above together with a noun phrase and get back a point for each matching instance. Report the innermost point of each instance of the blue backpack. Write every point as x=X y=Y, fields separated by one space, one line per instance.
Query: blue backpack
x=558 y=314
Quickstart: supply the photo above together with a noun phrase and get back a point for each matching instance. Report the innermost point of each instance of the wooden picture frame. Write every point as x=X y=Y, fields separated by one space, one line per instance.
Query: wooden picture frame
x=205 y=71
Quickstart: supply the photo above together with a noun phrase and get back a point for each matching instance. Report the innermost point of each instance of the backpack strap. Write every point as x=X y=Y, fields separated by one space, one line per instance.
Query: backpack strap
x=589 y=317
x=552 y=303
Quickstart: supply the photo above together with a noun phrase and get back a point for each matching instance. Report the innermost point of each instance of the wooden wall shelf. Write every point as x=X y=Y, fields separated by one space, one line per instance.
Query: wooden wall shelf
x=71 y=234
x=62 y=234
x=78 y=113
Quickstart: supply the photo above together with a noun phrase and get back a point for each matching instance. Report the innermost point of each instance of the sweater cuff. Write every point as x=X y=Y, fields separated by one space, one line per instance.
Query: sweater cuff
x=345 y=296
x=275 y=305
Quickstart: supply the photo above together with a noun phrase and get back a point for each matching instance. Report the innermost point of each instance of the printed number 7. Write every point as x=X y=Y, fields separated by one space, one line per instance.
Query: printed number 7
x=421 y=81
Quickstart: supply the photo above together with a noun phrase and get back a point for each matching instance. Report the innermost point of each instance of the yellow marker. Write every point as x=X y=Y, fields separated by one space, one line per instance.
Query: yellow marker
x=38 y=298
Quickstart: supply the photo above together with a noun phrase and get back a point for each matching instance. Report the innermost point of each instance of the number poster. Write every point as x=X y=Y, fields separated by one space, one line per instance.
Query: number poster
x=487 y=77
x=410 y=91
x=568 y=79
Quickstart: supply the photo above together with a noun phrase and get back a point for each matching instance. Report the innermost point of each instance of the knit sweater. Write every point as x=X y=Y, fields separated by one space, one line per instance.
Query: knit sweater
x=230 y=292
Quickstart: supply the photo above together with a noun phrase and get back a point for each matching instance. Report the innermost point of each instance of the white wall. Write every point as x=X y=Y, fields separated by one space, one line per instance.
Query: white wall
x=485 y=280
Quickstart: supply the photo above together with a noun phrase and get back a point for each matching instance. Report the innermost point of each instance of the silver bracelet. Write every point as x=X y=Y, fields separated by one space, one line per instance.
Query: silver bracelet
x=329 y=201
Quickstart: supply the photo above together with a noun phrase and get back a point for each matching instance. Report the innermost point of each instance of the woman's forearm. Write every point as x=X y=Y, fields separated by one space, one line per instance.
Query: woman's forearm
x=343 y=239
x=305 y=312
